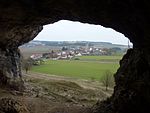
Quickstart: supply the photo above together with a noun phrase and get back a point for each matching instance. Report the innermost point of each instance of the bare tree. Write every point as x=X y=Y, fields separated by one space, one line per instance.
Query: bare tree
x=27 y=64
x=107 y=79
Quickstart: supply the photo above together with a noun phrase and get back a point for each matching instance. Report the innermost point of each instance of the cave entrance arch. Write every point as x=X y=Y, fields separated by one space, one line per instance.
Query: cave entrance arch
x=22 y=20
x=65 y=30
x=60 y=26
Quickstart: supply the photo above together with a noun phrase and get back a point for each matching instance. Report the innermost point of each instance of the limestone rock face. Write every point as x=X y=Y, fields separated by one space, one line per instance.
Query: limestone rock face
x=132 y=91
x=10 y=63
x=22 y=20
x=17 y=35
x=130 y=17
x=9 y=105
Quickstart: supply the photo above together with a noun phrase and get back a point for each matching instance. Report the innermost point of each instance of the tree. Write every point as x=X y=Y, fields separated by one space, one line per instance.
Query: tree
x=64 y=49
x=27 y=64
x=107 y=51
x=107 y=79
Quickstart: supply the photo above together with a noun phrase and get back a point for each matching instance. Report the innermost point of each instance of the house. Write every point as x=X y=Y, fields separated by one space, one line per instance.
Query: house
x=36 y=56
x=79 y=54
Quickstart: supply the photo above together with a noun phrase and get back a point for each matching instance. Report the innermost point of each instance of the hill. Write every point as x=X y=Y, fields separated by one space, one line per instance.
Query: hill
x=73 y=44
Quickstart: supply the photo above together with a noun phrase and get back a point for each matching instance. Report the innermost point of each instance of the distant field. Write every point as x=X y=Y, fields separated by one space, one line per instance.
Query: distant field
x=101 y=58
x=78 y=69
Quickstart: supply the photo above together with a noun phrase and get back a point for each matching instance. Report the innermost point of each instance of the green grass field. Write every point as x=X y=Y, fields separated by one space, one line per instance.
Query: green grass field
x=101 y=58
x=78 y=69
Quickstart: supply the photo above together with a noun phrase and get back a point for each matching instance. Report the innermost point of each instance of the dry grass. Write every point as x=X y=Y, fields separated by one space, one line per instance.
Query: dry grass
x=54 y=94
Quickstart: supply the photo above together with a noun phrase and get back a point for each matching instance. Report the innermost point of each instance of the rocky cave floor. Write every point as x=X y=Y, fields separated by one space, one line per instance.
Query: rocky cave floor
x=53 y=94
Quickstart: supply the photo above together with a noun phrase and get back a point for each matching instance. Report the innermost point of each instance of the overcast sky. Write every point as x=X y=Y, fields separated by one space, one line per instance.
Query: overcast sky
x=75 y=31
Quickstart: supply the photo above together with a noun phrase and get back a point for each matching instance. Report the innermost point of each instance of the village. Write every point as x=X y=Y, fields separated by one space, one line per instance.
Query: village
x=67 y=54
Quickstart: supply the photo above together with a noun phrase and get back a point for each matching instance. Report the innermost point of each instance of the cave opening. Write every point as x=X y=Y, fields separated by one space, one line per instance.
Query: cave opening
x=22 y=20
x=68 y=56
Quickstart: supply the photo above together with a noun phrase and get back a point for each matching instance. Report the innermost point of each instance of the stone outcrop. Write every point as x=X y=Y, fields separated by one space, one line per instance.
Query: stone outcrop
x=10 y=68
x=132 y=91
x=10 y=105
x=22 y=20
x=10 y=56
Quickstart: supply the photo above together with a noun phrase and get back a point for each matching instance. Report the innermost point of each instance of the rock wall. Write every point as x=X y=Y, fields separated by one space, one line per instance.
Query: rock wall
x=10 y=68
x=10 y=57
x=10 y=105
x=21 y=21
x=129 y=17
x=132 y=91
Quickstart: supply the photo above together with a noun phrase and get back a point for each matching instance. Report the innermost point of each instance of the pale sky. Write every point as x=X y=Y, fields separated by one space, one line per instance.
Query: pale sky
x=75 y=31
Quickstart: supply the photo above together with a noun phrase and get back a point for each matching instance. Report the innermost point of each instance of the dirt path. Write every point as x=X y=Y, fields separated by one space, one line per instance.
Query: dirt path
x=47 y=76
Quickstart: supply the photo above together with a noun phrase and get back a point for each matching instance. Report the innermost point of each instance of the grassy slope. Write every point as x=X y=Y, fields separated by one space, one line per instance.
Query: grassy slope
x=77 y=69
